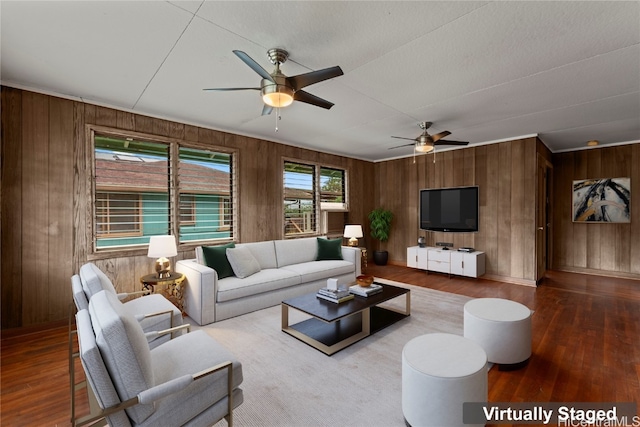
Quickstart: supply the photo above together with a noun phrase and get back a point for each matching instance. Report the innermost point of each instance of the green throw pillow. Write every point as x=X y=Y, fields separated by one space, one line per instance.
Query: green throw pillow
x=329 y=249
x=216 y=257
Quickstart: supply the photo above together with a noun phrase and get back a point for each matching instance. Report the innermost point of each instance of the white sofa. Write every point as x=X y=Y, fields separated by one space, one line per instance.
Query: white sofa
x=288 y=268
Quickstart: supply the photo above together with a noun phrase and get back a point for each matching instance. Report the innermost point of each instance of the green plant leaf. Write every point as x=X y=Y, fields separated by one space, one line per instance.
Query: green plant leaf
x=380 y=224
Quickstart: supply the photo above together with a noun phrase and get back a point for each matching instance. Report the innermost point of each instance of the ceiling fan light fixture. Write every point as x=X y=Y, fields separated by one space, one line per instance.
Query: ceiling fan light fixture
x=277 y=96
x=424 y=148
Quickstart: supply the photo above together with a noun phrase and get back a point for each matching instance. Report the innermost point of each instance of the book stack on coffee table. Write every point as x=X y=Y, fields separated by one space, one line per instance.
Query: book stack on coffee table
x=334 y=295
x=365 y=291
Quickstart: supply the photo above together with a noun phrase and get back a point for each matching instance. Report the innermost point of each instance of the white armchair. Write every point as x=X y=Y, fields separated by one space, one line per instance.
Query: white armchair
x=154 y=311
x=191 y=380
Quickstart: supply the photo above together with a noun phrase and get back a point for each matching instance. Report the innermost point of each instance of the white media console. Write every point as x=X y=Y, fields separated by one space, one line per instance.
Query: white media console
x=451 y=261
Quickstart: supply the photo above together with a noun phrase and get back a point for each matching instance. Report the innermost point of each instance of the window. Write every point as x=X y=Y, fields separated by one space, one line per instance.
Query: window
x=147 y=186
x=332 y=189
x=132 y=187
x=205 y=178
x=304 y=185
x=299 y=199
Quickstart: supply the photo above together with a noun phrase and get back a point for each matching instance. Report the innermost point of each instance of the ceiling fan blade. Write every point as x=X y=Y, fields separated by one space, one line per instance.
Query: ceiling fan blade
x=254 y=65
x=233 y=88
x=443 y=142
x=306 y=97
x=440 y=135
x=266 y=110
x=403 y=145
x=402 y=137
x=303 y=80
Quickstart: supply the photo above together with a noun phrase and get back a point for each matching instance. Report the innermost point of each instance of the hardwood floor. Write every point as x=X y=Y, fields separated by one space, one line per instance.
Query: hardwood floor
x=585 y=347
x=586 y=331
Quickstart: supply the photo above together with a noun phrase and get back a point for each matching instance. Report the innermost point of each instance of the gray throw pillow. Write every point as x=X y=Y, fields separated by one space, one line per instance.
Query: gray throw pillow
x=242 y=261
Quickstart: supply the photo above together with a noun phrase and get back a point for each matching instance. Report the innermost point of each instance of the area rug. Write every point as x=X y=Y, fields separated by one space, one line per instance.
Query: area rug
x=288 y=383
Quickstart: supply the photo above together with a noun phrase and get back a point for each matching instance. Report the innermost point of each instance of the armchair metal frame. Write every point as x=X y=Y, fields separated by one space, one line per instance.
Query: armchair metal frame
x=153 y=394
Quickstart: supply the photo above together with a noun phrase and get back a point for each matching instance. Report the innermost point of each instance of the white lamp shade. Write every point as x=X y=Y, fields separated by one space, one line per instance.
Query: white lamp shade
x=162 y=246
x=353 y=231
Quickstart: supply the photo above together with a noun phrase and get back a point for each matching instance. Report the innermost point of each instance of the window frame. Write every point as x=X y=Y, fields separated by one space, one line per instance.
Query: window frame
x=232 y=196
x=314 y=192
x=334 y=206
x=173 y=190
x=319 y=207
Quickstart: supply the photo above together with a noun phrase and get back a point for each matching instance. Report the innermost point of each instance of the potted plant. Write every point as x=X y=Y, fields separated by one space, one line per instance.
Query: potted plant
x=380 y=223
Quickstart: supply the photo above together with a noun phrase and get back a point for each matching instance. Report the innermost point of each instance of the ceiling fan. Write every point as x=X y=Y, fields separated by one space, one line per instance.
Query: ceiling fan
x=425 y=143
x=278 y=90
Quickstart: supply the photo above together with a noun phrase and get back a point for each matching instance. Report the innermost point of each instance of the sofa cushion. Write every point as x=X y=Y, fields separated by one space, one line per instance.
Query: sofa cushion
x=295 y=251
x=216 y=257
x=329 y=249
x=318 y=270
x=263 y=252
x=242 y=262
x=199 y=256
x=263 y=281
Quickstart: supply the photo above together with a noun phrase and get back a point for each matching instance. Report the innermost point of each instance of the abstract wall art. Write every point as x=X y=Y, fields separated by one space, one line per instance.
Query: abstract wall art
x=602 y=200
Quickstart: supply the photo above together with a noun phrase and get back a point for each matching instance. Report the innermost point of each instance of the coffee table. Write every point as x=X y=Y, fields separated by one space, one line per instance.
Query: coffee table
x=333 y=326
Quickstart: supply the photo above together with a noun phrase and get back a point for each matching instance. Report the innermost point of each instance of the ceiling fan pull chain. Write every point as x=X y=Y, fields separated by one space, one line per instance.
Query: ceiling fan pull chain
x=277 y=117
x=434 y=155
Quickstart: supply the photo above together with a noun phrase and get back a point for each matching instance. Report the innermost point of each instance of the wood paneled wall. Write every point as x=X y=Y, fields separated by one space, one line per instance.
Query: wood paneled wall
x=506 y=175
x=610 y=249
x=45 y=184
x=45 y=212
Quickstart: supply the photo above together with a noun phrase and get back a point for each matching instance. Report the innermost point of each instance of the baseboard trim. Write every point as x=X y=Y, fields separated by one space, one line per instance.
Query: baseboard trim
x=34 y=329
x=507 y=279
x=594 y=272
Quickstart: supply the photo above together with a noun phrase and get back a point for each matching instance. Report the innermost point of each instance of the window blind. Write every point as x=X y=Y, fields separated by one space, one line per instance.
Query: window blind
x=300 y=216
x=136 y=187
x=132 y=187
x=205 y=188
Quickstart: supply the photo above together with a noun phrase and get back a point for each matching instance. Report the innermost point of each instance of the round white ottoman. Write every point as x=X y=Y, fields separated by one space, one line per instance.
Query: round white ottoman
x=439 y=373
x=502 y=327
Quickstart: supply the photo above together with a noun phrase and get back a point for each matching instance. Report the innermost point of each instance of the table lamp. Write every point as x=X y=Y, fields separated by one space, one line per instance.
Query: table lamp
x=353 y=232
x=161 y=247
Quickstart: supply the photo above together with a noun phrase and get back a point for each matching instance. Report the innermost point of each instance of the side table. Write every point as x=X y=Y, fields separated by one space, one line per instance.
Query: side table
x=172 y=287
x=363 y=264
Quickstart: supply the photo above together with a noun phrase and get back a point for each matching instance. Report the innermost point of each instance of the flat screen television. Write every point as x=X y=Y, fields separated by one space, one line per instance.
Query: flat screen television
x=454 y=210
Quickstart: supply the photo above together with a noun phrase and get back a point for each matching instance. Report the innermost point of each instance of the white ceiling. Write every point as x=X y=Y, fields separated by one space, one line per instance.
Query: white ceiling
x=486 y=71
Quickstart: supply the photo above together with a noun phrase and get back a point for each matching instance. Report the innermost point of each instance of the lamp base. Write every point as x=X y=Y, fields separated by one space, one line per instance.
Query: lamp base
x=163 y=268
x=353 y=242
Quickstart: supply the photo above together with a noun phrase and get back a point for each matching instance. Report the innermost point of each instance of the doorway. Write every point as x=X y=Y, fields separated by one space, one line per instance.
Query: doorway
x=544 y=220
